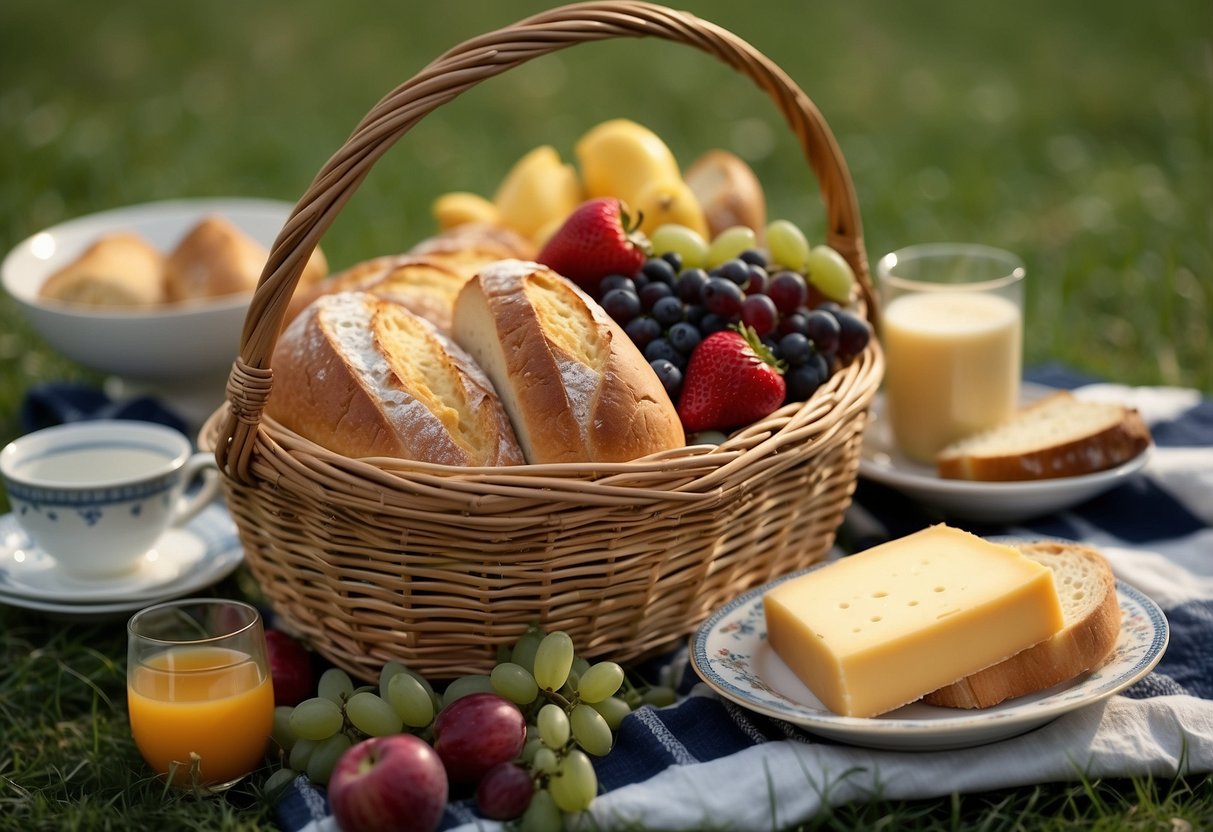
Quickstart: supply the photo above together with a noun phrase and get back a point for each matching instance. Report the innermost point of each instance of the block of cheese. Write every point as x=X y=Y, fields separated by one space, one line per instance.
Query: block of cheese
x=880 y=629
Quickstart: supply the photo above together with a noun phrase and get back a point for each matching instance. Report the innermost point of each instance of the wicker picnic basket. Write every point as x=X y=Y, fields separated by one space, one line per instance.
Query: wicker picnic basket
x=436 y=566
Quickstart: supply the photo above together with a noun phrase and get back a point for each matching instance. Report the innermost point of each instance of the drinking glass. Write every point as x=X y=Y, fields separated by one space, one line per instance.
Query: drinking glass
x=952 y=333
x=199 y=691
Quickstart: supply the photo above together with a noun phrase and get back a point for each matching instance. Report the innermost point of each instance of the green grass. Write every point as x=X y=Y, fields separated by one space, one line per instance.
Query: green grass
x=1079 y=136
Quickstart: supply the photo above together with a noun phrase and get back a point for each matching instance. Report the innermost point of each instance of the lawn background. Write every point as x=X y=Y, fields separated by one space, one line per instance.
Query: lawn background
x=1079 y=135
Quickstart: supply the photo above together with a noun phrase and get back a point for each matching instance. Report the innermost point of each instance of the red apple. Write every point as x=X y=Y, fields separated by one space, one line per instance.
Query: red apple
x=475 y=733
x=290 y=668
x=388 y=784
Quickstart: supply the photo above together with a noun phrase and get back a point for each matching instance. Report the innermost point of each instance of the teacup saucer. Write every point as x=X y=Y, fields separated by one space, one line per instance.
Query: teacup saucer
x=181 y=557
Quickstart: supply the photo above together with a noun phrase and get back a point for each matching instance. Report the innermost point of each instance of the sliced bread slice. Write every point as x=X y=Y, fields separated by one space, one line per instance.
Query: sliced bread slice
x=1058 y=436
x=1087 y=591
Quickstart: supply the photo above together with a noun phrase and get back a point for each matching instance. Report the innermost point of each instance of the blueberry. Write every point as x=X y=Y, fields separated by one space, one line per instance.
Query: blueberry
x=854 y=334
x=667 y=311
x=621 y=304
x=616 y=281
x=735 y=270
x=661 y=348
x=754 y=257
x=823 y=330
x=684 y=337
x=723 y=297
x=795 y=349
x=804 y=380
x=690 y=285
x=654 y=292
x=642 y=330
x=669 y=376
x=659 y=270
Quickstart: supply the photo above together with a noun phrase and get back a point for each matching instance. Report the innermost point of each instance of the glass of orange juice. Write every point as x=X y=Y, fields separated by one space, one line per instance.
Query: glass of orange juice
x=952 y=332
x=199 y=691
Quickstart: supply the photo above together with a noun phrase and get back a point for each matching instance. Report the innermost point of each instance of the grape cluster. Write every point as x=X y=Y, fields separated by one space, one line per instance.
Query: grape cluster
x=792 y=295
x=571 y=708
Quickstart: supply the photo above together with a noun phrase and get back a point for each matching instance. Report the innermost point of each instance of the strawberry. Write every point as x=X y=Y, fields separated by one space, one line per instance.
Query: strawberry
x=731 y=380
x=597 y=239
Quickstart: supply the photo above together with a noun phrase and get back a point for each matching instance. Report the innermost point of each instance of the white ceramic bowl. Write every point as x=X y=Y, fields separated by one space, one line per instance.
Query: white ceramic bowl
x=176 y=343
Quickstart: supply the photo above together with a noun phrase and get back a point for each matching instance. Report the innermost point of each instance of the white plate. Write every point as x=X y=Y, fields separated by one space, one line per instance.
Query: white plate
x=211 y=552
x=731 y=654
x=997 y=502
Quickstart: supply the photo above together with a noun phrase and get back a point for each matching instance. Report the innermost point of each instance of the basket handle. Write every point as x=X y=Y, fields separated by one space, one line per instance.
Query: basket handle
x=456 y=71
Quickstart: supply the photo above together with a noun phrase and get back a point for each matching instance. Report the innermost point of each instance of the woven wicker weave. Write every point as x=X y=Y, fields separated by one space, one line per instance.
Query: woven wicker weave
x=435 y=566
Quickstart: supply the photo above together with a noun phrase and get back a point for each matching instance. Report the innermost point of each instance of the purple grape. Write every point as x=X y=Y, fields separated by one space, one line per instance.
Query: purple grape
x=788 y=290
x=723 y=297
x=759 y=280
x=690 y=285
x=735 y=270
x=796 y=322
x=823 y=330
x=504 y=792
x=759 y=313
x=754 y=257
x=803 y=381
x=795 y=349
x=854 y=334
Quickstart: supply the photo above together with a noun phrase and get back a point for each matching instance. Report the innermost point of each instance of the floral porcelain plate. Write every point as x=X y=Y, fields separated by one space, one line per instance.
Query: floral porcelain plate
x=184 y=560
x=731 y=654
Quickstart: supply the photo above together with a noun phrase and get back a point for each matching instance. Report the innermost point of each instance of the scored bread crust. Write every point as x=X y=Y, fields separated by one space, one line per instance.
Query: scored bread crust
x=1087 y=590
x=575 y=386
x=365 y=377
x=1096 y=436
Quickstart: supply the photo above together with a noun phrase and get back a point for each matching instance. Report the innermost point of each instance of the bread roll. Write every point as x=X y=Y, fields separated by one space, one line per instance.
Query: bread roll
x=364 y=377
x=1058 y=436
x=117 y=270
x=729 y=192
x=1087 y=591
x=215 y=258
x=575 y=386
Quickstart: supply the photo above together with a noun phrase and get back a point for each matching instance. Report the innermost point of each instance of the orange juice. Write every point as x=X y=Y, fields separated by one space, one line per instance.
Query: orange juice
x=953 y=366
x=213 y=701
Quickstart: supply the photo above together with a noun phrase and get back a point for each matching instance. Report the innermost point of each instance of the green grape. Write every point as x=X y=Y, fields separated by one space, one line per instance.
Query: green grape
x=545 y=760
x=301 y=753
x=389 y=671
x=541 y=815
x=613 y=710
x=372 y=715
x=659 y=696
x=473 y=683
x=279 y=782
x=324 y=758
x=335 y=684
x=787 y=245
x=590 y=730
x=831 y=273
x=514 y=682
x=529 y=749
x=686 y=242
x=600 y=681
x=553 y=724
x=410 y=700
x=316 y=719
x=575 y=784
x=553 y=660
x=523 y=653
x=730 y=243
x=281 y=732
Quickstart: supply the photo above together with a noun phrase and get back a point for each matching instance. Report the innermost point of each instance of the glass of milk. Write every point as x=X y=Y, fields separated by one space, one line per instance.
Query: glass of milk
x=952 y=331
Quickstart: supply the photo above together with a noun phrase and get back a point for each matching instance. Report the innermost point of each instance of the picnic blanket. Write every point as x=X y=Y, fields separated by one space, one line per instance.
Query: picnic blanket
x=706 y=762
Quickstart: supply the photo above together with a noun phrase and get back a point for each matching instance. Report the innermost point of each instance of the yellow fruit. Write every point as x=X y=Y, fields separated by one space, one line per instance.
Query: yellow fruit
x=665 y=201
x=460 y=207
x=620 y=158
x=538 y=189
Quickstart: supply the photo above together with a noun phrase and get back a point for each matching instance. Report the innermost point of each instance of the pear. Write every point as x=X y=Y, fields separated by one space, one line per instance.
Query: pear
x=665 y=201
x=537 y=190
x=621 y=158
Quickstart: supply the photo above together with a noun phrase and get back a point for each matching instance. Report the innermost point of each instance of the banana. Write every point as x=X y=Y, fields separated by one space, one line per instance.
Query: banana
x=538 y=189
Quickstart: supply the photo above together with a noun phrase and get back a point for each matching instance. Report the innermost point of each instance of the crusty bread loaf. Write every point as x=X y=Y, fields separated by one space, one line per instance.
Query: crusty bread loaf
x=215 y=258
x=117 y=270
x=576 y=388
x=1058 y=436
x=363 y=376
x=1087 y=591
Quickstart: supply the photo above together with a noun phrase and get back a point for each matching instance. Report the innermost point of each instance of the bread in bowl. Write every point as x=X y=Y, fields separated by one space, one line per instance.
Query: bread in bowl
x=120 y=269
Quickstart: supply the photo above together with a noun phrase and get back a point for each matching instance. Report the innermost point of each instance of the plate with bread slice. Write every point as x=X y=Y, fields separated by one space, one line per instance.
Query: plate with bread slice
x=1057 y=451
x=1111 y=636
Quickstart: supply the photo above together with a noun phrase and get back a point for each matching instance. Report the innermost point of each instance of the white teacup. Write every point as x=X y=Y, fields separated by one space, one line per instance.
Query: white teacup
x=96 y=496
